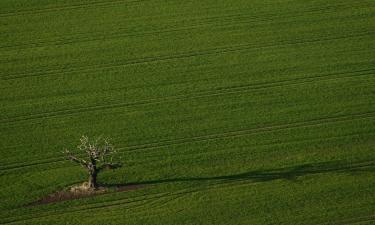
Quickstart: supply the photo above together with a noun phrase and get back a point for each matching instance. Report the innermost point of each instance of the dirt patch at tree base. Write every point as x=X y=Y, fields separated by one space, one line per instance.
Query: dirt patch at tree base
x=81 y=191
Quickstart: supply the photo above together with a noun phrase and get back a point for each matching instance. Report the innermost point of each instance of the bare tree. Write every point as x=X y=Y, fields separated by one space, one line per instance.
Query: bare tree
x=94 y=157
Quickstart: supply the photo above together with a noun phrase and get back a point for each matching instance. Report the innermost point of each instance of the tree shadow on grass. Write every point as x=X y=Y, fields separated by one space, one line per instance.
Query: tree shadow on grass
x=288 y=173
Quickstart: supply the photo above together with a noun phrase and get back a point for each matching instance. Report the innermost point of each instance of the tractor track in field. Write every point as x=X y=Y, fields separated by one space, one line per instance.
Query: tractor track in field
x=68 y=7
x=138 y=201
x=239 y=133
x=60 y=159
x=209 y=137
x=154 y=200
x=356 y=220
x=185 y=55
x=157 y=200
x=203 y=94
x=162 y=197
x=119 y=2
x=219 y=22
x=349 y=221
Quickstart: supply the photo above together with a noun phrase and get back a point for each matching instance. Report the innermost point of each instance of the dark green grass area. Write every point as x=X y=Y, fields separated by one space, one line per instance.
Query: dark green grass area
x=227 y=112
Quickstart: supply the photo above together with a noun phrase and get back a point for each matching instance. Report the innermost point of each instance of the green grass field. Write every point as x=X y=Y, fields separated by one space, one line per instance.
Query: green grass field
x=228 y=112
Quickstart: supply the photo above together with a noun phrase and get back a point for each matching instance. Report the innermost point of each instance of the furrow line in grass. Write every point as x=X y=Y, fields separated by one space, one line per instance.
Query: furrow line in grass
x=61 y=212
x=357 y=220
x=95 y=38
x=116 y=35
x=210 y=137
x=151 y=159
x=119 y=33
x=245 y=132
x=230 y=20
x=224 y=181
x=203 y=94
x=213 y=51
x=295 y=81
x=138 y=201
x=349 y=221
x=60 y=159
x=45 y=161
x=156 y=196
x=69 y=7
x=152 y=199
x=186 y=55
x=119 y=2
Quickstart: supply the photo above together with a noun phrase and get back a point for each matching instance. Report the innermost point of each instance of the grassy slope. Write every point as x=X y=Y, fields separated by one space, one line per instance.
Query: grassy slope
x=233 y=112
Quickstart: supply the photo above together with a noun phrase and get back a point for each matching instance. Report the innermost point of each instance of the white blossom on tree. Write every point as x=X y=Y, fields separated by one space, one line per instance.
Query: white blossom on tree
x=94 y=157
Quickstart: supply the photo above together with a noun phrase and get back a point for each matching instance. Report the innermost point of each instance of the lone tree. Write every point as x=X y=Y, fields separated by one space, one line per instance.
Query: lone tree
x=94 y=157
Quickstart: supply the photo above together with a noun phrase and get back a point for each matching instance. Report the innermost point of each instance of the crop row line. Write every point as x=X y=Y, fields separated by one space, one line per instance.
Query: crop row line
x=135 y=202
x=246 y=132
x=203 y=94
x=59 y=159
x=210 y=137
x=349 y=221
x=222 y=21
x=69 y=7
x=355 y=220
x=275 y=144
x=185 y=55
x=221 y=182
x=117 y=2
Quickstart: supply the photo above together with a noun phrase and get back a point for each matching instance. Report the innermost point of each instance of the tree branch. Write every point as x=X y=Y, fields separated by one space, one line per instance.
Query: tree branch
x=71 y=157
x=109 y=166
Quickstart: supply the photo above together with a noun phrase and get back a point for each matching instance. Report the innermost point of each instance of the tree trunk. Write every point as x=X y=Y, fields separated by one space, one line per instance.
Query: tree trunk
x=92 y=180
x=93 y=173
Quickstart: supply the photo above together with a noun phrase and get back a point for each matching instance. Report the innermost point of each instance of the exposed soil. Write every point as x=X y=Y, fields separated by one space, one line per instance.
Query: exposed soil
x=80 y=191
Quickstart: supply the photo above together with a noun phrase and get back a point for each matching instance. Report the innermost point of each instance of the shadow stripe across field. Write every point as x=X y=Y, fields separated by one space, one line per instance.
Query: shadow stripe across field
x=226 y=112
x=224 y=181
